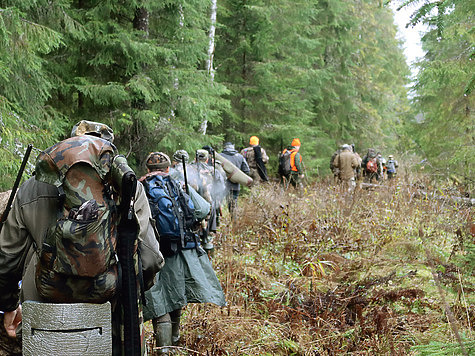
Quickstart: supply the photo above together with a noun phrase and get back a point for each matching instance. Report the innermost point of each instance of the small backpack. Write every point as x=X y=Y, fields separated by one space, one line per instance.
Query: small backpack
x=332 y=159
x=173 y=211
x=372 y=166
x=285 y=168
x=77 y=260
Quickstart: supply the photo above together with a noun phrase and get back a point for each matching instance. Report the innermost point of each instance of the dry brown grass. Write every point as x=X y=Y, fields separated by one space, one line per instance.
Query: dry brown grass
x=324 y=273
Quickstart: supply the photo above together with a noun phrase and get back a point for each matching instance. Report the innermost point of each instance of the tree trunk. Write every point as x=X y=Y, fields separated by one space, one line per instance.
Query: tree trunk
x=209 y=60
x=141 y=20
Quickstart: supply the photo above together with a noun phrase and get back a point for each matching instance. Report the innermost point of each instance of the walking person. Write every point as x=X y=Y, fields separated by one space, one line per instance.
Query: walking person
x=230 y=153
x=187 y=276
x=74 y=185
x=391 y=167
x=347 y=163
x=291 y=168
x=256 y=157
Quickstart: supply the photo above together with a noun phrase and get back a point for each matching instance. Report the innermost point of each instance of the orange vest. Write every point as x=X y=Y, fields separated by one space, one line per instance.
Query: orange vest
x=292 y=160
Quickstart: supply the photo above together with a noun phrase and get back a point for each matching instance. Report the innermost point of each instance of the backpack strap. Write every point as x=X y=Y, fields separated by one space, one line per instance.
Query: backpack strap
x=183 y=199
x=168 y=187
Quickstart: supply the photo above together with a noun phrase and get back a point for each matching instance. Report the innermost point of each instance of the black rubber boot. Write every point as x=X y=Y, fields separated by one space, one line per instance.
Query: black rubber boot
x=175 y=319
x=162 y=327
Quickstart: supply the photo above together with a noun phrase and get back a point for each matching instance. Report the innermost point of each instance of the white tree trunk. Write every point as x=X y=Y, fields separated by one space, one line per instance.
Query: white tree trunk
x=209 y=61
x=212 y=32
x=175 y=82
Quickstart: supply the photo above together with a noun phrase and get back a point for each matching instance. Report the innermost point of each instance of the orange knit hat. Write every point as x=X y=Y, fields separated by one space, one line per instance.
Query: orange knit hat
x=254 y=140
x=295 y=142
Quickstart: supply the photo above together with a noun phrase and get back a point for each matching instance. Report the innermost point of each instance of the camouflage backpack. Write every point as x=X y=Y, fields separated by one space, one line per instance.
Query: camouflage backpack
x=78 y=261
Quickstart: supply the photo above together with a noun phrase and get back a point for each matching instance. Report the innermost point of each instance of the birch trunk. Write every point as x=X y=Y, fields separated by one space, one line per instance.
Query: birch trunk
x=209 y=61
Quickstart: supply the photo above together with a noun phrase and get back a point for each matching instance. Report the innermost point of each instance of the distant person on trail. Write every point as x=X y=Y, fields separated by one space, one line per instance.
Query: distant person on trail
x=177 y=169
x=187 y=276
x=202 y=174
x=381 y=162
x=177 y=173
x=370 y=166
x=230 y=153
x=391 y=167
x=81 y=195
x=358 y=169
x=291 y=169
x=346 y=162
x=256 y=158
x=218 y=194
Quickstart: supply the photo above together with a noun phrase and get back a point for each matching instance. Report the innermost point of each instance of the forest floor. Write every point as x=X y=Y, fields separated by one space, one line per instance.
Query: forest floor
x=382 y=271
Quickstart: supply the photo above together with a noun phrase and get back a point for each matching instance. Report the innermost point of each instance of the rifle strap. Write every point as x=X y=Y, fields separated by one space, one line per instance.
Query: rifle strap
x=127 y=230
x=178 y=212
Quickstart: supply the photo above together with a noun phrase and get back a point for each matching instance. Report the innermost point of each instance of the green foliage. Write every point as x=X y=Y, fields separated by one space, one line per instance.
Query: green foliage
x=444 y=349
x=25 y=86
x=328 y=72
x=317 y=70
x=444 y=129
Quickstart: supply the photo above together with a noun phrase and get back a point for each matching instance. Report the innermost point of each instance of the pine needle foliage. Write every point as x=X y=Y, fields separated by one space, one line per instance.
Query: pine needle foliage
x=317 y=70
x=444 y=88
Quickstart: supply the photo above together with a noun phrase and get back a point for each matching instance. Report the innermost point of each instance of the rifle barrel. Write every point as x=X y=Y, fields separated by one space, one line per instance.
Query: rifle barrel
x=184 y=175
x=16 y=184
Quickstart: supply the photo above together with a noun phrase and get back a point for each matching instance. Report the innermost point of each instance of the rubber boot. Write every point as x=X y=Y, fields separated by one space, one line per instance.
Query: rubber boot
x=175 y=318
x=162 y=327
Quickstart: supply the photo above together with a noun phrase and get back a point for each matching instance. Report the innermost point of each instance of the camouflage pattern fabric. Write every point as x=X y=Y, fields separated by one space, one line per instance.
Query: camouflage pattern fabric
x=53 y=164
x=178 y=156
x=202 y=155
x=157 y=161
x=93 y=128
x=77 y=259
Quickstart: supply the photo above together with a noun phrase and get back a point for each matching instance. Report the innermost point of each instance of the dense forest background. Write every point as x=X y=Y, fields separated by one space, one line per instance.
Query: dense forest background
x=183 y=73
x=387 y=270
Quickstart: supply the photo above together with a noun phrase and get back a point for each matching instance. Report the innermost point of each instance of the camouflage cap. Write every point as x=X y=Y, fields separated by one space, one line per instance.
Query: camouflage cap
x=178 y=156
x=202 y=155
x=98 y=129
x=208 y=148
x=157 y=161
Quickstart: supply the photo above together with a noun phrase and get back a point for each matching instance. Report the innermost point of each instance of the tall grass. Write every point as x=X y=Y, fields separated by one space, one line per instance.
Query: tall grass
x=325 y=272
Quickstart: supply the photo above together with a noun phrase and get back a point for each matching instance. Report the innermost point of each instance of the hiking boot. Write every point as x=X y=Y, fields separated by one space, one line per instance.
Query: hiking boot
x=175 y=318
x=163 y=337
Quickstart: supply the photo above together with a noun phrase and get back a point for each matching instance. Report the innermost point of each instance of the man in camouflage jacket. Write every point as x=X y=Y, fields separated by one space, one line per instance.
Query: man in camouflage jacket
x=34 y=210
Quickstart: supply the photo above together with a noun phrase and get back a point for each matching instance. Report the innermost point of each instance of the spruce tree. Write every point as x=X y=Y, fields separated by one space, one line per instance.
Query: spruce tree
x=445 y=129
x=25 y=85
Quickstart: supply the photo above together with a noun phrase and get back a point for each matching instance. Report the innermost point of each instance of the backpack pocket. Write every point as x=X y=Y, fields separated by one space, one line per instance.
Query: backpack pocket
x=169 y=245
x=77 y=261
x=84 y=247
x=61 y=288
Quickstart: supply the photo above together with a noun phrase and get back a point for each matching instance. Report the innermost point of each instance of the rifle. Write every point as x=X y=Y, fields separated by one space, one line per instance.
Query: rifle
x=15 y=185
x=127 y=235
x=261 y=168
x=184 y=175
